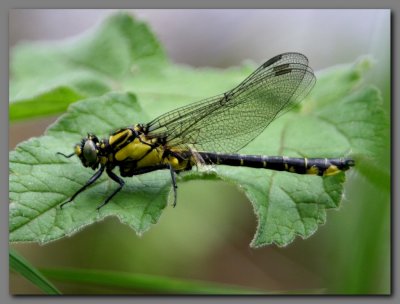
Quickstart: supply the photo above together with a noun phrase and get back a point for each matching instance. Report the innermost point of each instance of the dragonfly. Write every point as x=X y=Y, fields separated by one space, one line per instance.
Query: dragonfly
x=210 y=131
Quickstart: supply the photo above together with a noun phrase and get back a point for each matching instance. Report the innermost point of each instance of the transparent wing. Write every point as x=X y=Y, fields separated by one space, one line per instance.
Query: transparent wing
x=229 y=121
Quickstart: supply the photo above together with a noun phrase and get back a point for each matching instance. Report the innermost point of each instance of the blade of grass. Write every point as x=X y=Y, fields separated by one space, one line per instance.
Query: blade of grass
x=24 y=268
x=145 y=283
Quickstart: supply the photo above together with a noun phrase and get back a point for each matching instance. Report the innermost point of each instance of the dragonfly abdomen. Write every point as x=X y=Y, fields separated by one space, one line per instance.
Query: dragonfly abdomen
x=314 y=166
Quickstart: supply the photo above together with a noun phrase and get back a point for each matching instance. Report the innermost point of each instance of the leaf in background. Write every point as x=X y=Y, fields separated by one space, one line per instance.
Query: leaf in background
x=89 y=65
x=359 y=116
x=53 y=101
x=339 y=118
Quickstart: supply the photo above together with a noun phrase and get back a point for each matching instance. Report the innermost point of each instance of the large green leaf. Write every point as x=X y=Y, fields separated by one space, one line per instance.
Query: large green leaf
x=286 y=204
x=341 y=117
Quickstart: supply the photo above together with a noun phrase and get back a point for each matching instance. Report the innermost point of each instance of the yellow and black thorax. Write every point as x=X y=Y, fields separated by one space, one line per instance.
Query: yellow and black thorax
x=131 y=150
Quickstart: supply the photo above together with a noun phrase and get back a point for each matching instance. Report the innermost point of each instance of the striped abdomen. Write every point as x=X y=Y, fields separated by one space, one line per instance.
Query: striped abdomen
x=316 y=166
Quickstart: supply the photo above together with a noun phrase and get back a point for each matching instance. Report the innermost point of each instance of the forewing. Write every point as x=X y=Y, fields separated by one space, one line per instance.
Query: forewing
x=229 y=121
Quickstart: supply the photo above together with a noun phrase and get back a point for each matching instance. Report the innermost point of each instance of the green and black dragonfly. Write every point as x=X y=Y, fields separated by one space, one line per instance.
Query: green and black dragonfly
x=210 y=131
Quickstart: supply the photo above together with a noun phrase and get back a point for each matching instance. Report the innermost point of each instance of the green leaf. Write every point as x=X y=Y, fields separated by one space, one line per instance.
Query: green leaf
x=341 y=117
x=50 y=102
x=89 y=65
x=24 y=268
x=143 y=283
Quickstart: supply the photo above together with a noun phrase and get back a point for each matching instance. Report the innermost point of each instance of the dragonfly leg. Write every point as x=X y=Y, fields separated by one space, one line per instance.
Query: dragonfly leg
x=88 y=183
x=116 y=179
x=174 y=185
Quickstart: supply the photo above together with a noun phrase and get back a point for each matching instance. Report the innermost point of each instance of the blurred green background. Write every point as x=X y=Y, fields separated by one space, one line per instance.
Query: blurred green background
x=207 y=236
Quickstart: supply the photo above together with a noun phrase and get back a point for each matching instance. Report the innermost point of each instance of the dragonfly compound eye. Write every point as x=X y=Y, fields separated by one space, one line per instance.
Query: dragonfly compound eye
x=90 y=152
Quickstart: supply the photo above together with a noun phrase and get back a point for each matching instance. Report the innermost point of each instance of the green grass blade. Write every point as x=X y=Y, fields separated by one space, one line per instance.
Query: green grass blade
x=145 y=283
x=24 y=268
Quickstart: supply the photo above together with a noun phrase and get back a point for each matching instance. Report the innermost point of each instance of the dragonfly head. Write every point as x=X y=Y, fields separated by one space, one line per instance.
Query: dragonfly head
x=87 y=151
